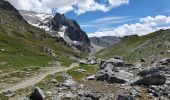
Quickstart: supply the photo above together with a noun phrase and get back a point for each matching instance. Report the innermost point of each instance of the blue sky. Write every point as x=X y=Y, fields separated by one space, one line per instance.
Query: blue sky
x=130 y=13
x=109 y=17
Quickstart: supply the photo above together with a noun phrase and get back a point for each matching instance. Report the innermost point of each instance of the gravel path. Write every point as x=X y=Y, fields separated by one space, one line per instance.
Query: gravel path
x=36 y=79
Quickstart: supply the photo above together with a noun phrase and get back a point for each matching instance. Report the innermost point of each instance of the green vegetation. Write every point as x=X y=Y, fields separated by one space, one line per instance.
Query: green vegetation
x=133 y=48
x=21 y=45
x=2 y=97
x=77 y=76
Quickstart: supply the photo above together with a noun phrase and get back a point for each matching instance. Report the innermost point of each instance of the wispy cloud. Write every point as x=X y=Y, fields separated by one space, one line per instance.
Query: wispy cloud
x=105 y=22
x=142 y=27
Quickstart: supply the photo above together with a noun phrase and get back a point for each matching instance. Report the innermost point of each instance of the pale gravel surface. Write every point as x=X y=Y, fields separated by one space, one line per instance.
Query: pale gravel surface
x=37 y=78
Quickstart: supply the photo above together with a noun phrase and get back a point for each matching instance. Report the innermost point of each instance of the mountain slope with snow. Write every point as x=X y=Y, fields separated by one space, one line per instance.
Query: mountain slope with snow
x=60 y=27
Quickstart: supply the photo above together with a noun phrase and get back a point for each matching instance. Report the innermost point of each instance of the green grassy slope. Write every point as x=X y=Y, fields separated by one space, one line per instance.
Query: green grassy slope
x=133 y=48
x=23 y=44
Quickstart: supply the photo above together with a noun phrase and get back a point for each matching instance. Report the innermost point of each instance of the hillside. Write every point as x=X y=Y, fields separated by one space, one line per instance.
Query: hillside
x=23 y=45
x=133 y=48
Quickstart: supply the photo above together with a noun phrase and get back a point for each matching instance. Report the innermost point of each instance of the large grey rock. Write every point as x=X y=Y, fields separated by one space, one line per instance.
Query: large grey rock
x=112 y=62
x=165 y=61
x=87 y=95
x=67 y=96
x=150 y=71
x=69 y=83
x=65 y=76
x=112 y=72
x=37 y=94
x=162 y=90
x=119 y=76
x=151 y=80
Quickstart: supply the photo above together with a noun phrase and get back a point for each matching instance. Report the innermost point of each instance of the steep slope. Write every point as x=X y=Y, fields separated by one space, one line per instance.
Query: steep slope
x=60 y=27
x=104 y=41
x=23 y=45
x=133 y=48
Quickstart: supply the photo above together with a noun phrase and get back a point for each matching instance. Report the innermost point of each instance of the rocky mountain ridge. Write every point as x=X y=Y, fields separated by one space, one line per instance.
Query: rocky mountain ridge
x=60 y=27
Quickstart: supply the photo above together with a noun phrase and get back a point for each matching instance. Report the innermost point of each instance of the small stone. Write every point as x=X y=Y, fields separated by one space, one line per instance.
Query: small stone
x=2 y=50
x=53 y=80
x=92 y=77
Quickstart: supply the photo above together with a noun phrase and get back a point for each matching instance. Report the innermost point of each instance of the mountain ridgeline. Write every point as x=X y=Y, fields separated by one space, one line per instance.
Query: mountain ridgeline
x=59 y=26
x=24 y=45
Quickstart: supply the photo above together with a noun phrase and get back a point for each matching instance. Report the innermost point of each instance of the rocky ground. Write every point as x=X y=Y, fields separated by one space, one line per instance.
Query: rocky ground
x=114 y=80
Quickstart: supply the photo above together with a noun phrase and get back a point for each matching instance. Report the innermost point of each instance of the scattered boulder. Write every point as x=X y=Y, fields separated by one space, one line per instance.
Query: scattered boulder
x=92 y=61
x=2 y=50
x=67 y=96
x=162 y=90
x=155 y=79
x=65 y=76
x=27 y=69
x=48 y=50
x=92 y=77
x=119 y=76
x=37 y=94
x=168 y=51
x=150 y=71
x=87 y=95
x=53 y=80
x=165 y=61
x=69 y=83
x=109 y=71
x=142 y=60
x=80 y=71
x=112 y=62
x=9 y=93
x=124 y=97
x=82 y=62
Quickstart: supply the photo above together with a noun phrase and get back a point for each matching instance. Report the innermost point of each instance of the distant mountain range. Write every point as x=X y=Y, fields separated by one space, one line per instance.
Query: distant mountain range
x=104 y=41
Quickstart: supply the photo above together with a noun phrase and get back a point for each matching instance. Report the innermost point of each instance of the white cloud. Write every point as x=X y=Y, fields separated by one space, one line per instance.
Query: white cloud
x=143 y=27
x=107 y=21
x=63 y=6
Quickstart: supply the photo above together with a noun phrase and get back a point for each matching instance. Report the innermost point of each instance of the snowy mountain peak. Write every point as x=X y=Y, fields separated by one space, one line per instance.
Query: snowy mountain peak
x=59 y=26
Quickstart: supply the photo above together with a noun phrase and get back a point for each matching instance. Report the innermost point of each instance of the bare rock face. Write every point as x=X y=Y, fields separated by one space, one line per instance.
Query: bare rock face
x=72 y=30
